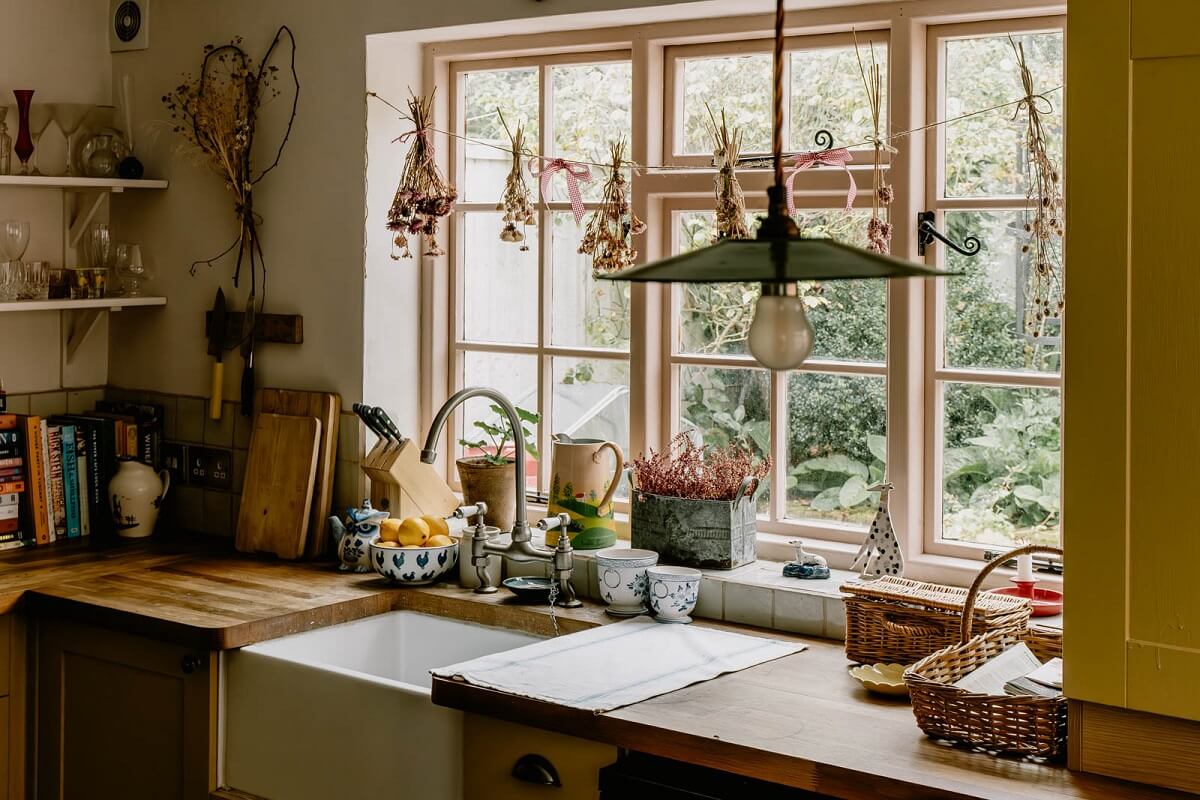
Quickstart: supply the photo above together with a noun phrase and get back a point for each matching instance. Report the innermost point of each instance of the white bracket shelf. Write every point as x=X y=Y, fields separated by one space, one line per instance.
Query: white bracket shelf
x=80 y=317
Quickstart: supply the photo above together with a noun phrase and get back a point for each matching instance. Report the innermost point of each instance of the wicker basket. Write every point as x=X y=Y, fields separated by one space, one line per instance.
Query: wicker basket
x=899 y=621
x=1017 y=724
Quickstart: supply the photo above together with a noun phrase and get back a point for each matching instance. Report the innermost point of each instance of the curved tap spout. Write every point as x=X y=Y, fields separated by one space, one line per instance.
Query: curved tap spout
x=429 y=452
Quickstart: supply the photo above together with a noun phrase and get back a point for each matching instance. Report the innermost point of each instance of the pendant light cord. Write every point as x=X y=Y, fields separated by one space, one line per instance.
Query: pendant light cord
x=777 y=128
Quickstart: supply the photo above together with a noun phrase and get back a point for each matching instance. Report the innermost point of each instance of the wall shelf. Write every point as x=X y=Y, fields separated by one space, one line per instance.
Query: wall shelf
x=79 y=183
x=99 y=304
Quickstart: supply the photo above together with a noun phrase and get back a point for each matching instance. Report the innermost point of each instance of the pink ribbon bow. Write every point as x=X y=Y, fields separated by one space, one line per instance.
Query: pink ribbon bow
x=574 y=171
x=829 y=158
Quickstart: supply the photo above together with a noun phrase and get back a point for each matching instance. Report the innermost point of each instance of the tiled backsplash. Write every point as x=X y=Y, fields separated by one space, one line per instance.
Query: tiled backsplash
x=185 y=421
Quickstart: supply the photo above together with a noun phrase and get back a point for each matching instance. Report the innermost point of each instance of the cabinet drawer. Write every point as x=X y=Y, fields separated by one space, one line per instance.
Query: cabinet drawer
x=5 y=753
x=5 y=654
x=492 y=747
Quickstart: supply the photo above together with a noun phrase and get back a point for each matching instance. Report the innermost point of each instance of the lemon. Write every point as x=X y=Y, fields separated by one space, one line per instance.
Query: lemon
x=386 y=543
x=389 y=530
x=437 y=525
x=410 y=547
x=413 y=531
x=439 y=541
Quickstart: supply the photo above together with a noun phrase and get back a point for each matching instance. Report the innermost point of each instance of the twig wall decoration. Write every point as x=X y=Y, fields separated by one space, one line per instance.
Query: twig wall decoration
x=731 y=202
x=423 y=195
x=216 y=112
x=609 y=232
x=879 y=228
x=516 y=204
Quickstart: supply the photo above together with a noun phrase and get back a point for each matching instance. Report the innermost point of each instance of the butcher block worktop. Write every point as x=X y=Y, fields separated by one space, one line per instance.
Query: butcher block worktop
x=799 y=721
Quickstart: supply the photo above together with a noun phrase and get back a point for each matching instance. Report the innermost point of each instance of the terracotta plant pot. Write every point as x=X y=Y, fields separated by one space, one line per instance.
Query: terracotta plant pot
x=494 y=484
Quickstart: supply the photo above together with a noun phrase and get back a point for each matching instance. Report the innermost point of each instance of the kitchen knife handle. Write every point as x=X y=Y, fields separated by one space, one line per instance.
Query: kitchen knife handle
x=388 y=425
x=218 y=386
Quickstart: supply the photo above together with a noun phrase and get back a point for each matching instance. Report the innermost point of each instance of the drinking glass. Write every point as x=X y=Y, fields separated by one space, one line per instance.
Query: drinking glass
x=98 y=245
x=40 y=116
x=78 y=279
x=127 y=262
x=10 y=280
x=59 y=287
x=14 y=238
x=97 y=282
x=35 y=280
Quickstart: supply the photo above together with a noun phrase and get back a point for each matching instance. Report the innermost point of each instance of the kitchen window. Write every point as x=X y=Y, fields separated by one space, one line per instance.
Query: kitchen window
x=934 y=385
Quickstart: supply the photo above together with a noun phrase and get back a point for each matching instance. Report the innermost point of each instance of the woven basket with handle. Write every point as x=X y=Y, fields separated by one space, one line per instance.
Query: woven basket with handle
x=1010 y=723
x=899 y=621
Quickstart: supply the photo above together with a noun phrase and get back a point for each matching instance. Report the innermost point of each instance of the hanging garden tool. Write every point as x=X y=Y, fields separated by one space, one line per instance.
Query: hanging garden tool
x=216 y=349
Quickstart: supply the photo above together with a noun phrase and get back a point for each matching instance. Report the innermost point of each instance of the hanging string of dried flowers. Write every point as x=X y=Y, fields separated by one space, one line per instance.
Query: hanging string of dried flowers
x=608 y=237
x=731 y=203
x=423 y=194
x=879 y=227
x=516 y=203
x=1044 y=299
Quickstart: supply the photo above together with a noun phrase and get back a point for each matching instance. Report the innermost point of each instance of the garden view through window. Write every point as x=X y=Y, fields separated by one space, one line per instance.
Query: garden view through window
x=531 y=320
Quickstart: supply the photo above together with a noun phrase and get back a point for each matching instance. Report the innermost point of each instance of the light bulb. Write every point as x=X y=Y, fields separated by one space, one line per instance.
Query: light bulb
x=780 y=336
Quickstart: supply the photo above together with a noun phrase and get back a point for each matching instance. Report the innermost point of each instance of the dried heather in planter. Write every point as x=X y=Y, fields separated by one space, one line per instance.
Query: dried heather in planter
x=608 y=237
x=423 y=195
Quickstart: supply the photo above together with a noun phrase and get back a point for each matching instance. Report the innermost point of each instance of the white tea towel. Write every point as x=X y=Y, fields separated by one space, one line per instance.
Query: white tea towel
x=615 y=665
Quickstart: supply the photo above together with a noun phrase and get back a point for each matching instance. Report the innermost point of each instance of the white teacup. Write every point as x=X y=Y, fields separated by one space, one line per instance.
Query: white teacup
x=621 y=576
x=673 y=592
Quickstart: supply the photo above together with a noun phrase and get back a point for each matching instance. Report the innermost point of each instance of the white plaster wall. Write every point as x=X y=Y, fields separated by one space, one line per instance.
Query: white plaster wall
x=58 y=48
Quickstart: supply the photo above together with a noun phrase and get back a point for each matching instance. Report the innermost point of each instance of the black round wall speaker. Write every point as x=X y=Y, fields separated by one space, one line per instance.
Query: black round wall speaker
x=127 y=20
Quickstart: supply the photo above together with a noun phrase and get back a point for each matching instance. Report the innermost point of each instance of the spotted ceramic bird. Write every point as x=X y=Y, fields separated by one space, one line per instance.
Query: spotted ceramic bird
x=880 y=553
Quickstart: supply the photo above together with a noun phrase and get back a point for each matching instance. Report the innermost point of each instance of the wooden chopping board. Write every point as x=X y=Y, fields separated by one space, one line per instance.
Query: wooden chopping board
x=326 y=407
x=278 y=492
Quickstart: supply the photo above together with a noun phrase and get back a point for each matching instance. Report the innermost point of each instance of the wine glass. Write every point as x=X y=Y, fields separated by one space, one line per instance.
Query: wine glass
x=40 y=116
x=70 y=118
x=130 y=267
x=14 y=238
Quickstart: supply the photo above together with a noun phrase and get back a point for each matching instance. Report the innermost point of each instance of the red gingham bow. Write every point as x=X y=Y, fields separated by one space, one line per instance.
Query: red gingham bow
x=575 y=173
x=829 y=158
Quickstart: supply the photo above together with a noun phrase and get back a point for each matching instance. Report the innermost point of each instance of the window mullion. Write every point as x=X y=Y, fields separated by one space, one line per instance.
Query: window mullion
x=545 y=286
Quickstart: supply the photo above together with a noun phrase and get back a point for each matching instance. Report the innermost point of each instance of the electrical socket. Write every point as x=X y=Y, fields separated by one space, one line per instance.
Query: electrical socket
x=210 y=467
x=174 y=459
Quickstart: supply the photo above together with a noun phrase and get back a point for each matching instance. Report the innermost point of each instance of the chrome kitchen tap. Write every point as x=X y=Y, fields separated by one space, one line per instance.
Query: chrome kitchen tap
x=521 y=548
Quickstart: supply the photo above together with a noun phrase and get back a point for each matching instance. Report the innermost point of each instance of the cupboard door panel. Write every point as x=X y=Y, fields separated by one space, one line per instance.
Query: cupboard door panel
x=1163 y=28
x=123 y=716
x=491 y=747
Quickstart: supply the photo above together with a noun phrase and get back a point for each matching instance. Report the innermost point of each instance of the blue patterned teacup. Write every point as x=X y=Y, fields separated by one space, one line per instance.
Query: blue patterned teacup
x=673 y=592
x=621 y=577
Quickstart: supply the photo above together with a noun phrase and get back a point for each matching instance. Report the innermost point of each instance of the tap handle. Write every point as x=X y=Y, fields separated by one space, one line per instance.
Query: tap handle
x=559 y=521
x=463 y=512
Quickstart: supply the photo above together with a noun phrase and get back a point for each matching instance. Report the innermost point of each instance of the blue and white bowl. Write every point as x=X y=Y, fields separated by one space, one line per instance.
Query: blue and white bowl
x=673 y=592
x=621 y=575
x=414 y=566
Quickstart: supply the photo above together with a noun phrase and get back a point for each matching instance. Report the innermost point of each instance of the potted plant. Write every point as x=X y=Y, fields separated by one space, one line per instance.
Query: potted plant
x=486 y=469
x=694 y=506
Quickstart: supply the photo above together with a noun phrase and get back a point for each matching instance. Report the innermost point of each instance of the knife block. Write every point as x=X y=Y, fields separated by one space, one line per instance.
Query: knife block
x=404 y=486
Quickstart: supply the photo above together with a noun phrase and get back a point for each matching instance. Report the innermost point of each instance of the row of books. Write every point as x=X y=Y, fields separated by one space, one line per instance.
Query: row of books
x=54 y=472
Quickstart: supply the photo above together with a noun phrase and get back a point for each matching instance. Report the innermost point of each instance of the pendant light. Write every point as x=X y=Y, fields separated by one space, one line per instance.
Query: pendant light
x=780 y=334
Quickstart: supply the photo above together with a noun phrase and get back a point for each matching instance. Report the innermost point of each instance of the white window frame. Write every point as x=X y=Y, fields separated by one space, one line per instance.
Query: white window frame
x=912 y=343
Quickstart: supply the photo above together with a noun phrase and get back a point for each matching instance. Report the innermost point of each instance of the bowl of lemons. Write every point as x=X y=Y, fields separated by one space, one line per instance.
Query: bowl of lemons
x=414 y=551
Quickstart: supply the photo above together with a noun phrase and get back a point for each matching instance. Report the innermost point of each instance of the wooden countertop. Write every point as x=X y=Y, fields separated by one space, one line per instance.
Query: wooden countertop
x=799 y=721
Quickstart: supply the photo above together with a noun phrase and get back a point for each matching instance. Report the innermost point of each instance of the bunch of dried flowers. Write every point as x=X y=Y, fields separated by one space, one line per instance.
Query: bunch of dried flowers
x=689 y=471
x=216 y=113
x=1044 y=300
x=423 y=195
x=516 y=204
x=731 y=203
x=879 y=227
x=608 y=236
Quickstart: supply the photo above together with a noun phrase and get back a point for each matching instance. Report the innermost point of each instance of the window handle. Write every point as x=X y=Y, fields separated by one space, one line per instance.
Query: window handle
x=926 y=233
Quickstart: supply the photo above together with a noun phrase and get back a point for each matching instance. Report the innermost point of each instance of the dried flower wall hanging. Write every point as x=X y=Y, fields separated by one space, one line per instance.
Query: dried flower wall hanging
x=216 y=112
x=516 y=204
x=731 y=203
x=879 y=227
x=611 y=228
x=1044 y=300
x=423 y=195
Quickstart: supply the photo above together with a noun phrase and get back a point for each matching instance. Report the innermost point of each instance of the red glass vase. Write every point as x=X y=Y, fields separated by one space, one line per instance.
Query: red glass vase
x=24 y=145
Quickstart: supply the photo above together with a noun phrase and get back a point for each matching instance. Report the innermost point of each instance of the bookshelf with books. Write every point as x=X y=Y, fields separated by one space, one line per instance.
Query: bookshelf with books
x=54 y=471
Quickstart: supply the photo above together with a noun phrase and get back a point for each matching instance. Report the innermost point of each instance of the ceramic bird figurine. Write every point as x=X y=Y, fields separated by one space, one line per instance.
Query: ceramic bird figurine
x=880 y=553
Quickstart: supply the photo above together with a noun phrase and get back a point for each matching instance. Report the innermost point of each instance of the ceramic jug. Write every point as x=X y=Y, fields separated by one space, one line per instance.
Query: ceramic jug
x=583 y=486
x=134 y=496
x=354 y=536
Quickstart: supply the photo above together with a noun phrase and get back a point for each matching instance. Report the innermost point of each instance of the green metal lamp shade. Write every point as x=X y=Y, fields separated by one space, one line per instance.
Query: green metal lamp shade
x=758 y=261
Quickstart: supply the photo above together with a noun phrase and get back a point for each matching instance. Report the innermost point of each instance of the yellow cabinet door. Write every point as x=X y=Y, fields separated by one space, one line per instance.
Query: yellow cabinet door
x=123 y=716
x=492 y=747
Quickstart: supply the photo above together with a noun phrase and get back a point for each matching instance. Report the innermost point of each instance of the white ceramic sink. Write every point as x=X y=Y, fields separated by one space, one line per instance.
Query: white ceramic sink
x=344 y=712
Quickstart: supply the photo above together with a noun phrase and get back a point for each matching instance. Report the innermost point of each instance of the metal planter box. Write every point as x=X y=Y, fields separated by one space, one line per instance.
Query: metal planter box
x=709 y=534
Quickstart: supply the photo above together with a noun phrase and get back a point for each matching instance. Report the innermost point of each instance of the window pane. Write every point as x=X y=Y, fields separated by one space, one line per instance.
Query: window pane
x=836 y=446
x=591 y=110
x=849 y=318
x=827 y=93
x=514 y=376
x=741 y=85
x=499 y=282
x=728 y=406
x=585 y=312
x=515 y=93
x=1000 y=465
x=985 y=154
x=591 y=401
x=985 y=306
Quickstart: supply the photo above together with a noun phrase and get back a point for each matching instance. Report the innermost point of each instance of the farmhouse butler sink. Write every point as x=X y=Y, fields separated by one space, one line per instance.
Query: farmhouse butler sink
x=345 y=711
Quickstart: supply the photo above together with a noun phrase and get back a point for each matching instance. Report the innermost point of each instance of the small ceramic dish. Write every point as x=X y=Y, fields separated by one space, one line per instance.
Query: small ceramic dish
x=881 y=678
x=621 y=573
x=530 y=588
x=673 y=592
x=1046 y=602
x=414 y=566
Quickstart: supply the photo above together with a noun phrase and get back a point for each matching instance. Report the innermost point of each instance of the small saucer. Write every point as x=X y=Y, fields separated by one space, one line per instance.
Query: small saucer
x=675 y=620
x=615 y=611
x=881 y=678
x=1046 y=602
x=529 y=588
